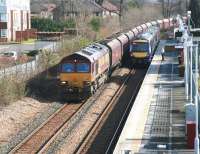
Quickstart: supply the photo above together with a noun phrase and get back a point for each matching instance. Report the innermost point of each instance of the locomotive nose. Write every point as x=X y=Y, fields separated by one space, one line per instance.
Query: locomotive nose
x=75 y=79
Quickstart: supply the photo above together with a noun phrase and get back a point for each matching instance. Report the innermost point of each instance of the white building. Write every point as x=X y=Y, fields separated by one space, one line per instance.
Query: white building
x=14 y=16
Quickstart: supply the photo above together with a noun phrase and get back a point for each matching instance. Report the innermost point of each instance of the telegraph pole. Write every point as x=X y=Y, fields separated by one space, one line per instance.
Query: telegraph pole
x=62 y=8
x=121 y=14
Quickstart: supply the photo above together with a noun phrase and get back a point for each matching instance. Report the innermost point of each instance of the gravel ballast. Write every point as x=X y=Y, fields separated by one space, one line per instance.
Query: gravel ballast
x=19 y=119
x=70 y=138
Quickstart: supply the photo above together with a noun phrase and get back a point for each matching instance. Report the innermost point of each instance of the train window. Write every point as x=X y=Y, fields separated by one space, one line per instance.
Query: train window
x=139 y=47
x=83 y=67
x=68 y=67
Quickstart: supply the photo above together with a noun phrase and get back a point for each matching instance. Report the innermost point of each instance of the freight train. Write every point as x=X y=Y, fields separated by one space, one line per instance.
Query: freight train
x=82 y=72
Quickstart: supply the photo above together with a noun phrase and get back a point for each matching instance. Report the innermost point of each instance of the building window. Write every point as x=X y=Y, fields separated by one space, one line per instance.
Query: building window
x=3 y=33
x=2 y=2
x=3 y=17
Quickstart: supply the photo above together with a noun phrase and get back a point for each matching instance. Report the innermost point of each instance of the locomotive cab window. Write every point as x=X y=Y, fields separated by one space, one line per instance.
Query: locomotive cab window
x=83 y=68
x=139 y=47
x=68 y=67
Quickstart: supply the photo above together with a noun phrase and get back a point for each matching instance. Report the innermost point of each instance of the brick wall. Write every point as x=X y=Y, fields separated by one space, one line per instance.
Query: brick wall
x=3 y=40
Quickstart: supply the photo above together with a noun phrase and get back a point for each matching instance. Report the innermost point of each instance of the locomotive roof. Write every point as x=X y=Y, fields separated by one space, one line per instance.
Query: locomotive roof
x=140 y=41
x=93 y=52
x=148 y=35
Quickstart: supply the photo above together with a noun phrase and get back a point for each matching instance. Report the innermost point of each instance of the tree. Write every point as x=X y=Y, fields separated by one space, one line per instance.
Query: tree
x=195 y=8
x=95 y=24
x=173 y=7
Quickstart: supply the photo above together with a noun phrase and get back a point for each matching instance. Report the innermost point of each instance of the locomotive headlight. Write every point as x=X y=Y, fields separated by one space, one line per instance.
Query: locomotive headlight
x=132 y=54
x=86 y=82
x=64 y=82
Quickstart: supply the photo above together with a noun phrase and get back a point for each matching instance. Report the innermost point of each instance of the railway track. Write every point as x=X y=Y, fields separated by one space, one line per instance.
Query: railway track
x=104 y=135
x=114 y=139
x=93 y=132
x=41 y=139
x=45 y=134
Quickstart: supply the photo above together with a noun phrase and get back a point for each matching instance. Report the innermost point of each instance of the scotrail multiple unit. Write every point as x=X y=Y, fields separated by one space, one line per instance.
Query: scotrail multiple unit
x=142 y=48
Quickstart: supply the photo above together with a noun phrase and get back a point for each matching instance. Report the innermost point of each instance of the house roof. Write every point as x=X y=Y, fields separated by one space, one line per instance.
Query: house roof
x=38 y=7
x=109 y=6
x=81 y=6
x=50 y=7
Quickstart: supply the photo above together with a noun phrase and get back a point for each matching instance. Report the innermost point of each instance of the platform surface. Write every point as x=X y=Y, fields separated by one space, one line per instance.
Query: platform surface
x=156 y=123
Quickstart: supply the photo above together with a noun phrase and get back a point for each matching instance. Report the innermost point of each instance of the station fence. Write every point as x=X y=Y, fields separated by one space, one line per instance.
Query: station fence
x=22 y=71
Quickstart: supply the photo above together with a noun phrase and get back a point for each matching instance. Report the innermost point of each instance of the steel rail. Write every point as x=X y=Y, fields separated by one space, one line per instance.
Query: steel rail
x=41 y=136
x=81 y=148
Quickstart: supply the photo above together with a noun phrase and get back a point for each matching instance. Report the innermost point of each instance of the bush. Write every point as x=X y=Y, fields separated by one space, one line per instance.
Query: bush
x=133 y=4
x=70 y=46
x=49 y=25
x=11 y=89
x=95 y=24
x=70 y=23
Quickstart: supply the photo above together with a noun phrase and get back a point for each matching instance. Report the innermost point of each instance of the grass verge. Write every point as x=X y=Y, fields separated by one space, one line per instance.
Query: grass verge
x=11 y=89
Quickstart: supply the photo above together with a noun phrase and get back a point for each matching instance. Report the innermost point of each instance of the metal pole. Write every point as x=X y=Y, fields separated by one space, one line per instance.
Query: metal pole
x=186 y=71
x=189 y=18
x=196 y=102
x=191 y=74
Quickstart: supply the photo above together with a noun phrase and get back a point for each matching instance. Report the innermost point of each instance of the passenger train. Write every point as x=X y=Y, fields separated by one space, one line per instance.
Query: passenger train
x=82 y=73
x=142 y=48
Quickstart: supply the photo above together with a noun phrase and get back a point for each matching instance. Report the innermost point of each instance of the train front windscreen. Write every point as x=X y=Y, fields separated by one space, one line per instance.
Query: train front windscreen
x=75 y=68
x=139 y=47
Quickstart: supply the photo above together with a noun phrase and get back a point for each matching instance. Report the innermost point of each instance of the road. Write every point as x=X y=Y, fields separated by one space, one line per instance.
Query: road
x=34 y=46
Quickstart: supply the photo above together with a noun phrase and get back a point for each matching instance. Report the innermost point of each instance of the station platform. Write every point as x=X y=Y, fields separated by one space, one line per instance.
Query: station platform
x=156 y=123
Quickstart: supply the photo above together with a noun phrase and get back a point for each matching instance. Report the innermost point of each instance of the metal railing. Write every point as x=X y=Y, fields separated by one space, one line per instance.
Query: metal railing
x=191 y=62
